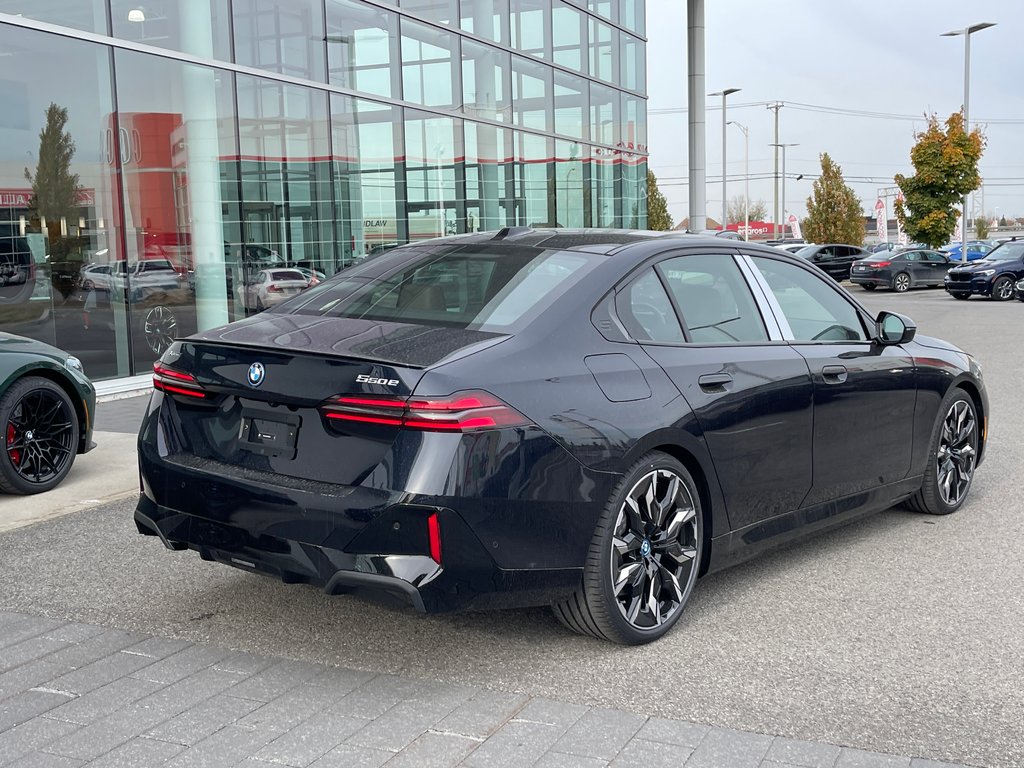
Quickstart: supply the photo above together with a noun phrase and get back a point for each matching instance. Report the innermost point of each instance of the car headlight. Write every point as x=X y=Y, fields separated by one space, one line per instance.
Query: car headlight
x=985 y=273
x=74 y=364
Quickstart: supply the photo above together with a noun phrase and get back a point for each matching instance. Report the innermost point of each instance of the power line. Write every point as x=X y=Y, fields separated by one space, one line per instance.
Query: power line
x=843 y=111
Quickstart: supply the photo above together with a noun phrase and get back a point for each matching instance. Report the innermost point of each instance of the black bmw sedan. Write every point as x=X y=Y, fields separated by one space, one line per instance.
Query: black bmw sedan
x=901 y=271
x=994 y=276
x=834 y=259
x=583 y=419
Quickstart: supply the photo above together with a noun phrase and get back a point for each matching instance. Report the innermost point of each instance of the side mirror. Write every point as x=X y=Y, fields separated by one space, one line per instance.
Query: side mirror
x=891 y=328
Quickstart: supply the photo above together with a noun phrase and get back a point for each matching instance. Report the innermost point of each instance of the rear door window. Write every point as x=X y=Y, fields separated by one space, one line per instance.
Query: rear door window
x=714 y=299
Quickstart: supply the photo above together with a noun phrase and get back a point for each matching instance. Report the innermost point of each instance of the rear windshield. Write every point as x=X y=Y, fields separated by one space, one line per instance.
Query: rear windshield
x=474 y=287
x=287 y=274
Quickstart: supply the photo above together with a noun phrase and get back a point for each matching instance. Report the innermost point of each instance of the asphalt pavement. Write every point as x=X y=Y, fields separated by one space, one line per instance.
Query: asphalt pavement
x=899 y=634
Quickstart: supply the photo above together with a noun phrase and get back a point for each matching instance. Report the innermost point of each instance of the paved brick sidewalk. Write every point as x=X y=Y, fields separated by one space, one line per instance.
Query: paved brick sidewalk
x=76 y=694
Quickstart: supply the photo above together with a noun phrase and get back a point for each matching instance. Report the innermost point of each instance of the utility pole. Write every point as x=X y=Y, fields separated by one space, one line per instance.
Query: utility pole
x=775 y=216
x=725 y=171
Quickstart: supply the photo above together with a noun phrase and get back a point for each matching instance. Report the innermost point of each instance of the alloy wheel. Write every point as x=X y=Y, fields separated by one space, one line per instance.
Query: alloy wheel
x=654 y=549
x=160 y=329
x=957 y=452
x=1003 y=289
x=901 y=283
x=39 y=436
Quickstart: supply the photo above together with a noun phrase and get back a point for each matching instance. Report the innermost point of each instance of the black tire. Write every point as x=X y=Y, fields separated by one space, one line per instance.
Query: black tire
x=259 y=304
x=946 y=463
x=653 y=573
x=1002 y=289
x=869 y=286
x=901 y=282
x=40 y=431
x=960 y=295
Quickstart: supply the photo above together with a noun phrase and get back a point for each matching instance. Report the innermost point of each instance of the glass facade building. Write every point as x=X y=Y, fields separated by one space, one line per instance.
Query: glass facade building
x=158 y=157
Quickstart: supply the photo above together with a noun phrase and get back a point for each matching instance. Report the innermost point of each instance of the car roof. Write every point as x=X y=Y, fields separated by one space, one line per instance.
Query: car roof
x=591 y=240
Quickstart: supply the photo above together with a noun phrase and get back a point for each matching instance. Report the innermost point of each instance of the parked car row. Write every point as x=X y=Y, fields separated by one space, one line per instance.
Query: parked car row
x=997 y=276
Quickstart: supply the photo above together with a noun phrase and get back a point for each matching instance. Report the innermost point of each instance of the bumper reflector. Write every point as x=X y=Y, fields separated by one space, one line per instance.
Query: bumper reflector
x=434 y=535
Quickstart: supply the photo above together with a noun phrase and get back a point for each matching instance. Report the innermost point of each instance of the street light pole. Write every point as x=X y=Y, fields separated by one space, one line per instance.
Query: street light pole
x=746 y=178
x=725 y=202
x=783 y=148
x=966 y=32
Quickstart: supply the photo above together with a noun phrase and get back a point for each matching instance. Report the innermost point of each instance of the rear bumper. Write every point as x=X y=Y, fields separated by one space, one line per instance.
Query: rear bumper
x=858 y=278
x=468 y=577
x=516 y=515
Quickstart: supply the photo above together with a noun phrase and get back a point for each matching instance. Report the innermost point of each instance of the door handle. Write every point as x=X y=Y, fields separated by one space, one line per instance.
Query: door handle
x=714 y=380
x=834 y=374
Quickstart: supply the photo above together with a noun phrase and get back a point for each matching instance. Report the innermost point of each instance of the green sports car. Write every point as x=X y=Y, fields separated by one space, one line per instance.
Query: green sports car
x=47 y=406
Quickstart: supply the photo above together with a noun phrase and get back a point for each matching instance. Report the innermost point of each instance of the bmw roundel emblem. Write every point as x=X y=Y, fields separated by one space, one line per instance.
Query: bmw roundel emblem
x=256 y=374
x=645 y=547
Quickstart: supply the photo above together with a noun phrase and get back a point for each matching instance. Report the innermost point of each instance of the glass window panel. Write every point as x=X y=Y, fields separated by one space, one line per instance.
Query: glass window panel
x=571 y=110
x=285 y=36
x=634 y=122
x=605 y=118
x=486 y=18
x=535 y=180
x=607 y=8
x=437 y=11
x=814 y=309
x=285 y=176
x=633 y=63
x=530 y=22
x=429 y=66
x=569 y=184
x=646 y=311
x=57 y=126
x=633 y=16
x=531 y=94
x=714 y=299
x=89 y=15
x=603 y=200
x=362 y=47
x=198 y=27
x=367 y=168
x=489 y=178
x=434 y=154
x=603 y=51
x=634 y=191
x=569 y=36
x=486 y=81
x=181 y=196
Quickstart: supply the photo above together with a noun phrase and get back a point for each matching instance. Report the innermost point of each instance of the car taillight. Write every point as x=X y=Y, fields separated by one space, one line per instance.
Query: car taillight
x=880 y=264
x=459 y=412
x=175 y=382
x=273 y=288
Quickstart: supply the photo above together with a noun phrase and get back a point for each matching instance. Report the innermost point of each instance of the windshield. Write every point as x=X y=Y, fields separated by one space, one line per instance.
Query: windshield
x=1005 y=252
x=806 y=253
x=473 y=287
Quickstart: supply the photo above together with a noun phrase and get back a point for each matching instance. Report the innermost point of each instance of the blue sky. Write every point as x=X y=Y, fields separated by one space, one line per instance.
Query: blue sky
x=867 y=57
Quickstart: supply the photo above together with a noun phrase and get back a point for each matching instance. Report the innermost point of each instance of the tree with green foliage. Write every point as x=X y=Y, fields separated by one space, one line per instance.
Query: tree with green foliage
x=945 y=160
x=55 y=188
x=658 y=217
x=981 y=227
x=834 y=213
x=758 y=210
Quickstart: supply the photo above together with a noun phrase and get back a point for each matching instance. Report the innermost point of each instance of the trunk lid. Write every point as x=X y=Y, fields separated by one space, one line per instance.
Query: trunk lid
x=252 y=391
